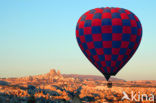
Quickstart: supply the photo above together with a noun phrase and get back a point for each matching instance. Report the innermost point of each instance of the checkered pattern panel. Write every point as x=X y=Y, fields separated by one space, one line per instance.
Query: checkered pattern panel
x=108 y=37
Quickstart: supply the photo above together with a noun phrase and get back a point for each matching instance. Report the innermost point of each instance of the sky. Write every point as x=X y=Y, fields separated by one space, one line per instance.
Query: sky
x=39 y=35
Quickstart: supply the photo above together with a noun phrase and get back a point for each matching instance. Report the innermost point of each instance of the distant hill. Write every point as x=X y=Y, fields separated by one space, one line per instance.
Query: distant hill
x=90 y=77
x=146 y=81
x=54 y=76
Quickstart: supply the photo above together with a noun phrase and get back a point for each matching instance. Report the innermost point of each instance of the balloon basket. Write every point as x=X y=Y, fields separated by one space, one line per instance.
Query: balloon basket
x=109 y=84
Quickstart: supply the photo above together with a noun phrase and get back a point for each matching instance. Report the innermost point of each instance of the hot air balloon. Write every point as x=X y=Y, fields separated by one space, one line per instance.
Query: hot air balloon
x=108 y=37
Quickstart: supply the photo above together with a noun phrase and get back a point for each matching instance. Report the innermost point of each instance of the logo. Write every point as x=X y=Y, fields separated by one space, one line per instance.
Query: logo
x=138 y=97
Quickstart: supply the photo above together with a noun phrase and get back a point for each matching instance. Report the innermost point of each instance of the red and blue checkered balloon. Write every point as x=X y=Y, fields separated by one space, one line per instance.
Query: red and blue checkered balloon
x=108 y=37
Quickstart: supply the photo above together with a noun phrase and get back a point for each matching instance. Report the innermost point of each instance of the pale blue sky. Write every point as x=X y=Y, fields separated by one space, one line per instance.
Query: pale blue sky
x=37 y=35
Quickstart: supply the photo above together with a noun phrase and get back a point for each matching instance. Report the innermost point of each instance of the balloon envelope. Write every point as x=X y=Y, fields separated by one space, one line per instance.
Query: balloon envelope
x=108 y=37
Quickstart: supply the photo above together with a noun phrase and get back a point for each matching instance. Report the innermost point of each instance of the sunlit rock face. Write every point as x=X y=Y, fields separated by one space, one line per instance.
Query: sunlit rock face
x=50 y=76
x=52 y=72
